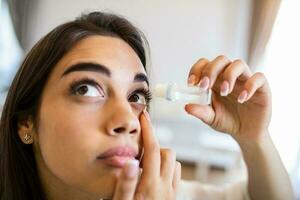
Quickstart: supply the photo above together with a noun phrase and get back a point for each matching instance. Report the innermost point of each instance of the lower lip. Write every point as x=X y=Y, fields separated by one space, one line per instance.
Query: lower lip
x=115 y=161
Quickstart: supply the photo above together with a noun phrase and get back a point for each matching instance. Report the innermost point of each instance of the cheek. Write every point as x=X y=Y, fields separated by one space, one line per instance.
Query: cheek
x=69 y=142
x=64 y=141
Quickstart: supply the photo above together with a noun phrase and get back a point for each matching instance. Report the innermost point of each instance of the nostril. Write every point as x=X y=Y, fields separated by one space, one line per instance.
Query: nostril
x=119 y=130
x=133 y=131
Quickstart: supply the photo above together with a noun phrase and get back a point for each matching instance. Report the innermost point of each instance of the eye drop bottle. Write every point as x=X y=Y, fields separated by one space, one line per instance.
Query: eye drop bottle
x=183 y=94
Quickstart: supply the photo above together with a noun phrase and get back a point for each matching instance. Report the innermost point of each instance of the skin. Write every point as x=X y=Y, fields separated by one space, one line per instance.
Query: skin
x=68 y=138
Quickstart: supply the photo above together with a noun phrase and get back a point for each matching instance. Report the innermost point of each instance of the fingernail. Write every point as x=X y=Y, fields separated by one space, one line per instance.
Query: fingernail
x=224 y=88
x=204 y=83
x=147 y=115
x=131 y=168
x=243 y=96
x=192 y=80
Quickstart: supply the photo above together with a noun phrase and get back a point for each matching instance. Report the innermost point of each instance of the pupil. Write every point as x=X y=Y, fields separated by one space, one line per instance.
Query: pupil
x=135 y=97
x=82 y=90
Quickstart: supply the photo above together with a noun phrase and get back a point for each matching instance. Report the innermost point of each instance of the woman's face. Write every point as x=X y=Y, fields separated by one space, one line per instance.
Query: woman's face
x=88 y=121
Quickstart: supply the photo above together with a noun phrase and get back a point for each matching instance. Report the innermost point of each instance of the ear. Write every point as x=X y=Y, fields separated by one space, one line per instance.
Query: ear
x=25 y=129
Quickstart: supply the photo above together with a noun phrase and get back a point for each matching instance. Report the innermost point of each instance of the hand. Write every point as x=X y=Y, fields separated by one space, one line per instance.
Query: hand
x=126 y=182
x=160 y=175
x=161 y=172
x=241 y=101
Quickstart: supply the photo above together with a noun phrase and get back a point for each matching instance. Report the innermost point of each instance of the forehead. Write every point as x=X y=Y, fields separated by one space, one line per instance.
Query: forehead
x=111 y=52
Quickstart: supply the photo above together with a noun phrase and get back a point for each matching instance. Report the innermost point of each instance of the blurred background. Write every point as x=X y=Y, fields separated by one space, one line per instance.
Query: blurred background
x=265 y=33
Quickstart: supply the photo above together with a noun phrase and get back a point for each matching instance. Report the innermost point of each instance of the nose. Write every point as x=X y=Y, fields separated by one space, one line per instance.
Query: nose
x=122 y=119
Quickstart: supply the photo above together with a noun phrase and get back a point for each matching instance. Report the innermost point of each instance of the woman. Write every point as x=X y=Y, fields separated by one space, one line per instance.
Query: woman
x=75 y=123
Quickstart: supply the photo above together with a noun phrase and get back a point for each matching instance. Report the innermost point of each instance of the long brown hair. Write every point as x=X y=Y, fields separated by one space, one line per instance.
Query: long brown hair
x=18 y=172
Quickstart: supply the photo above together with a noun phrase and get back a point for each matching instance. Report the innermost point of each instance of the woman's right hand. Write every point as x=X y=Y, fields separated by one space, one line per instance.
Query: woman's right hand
x=160 y=175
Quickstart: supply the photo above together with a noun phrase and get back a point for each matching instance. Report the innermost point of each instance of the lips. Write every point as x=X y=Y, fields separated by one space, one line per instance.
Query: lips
x=118 y=156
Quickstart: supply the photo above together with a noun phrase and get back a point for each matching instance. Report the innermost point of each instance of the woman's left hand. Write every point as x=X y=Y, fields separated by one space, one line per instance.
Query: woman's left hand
x=241 y=101
x=161 y=172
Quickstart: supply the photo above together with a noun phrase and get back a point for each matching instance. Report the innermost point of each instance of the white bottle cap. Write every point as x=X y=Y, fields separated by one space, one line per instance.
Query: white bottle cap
x=160 y=90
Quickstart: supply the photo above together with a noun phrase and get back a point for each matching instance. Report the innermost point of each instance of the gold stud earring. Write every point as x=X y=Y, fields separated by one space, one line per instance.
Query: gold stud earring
x=27 y=137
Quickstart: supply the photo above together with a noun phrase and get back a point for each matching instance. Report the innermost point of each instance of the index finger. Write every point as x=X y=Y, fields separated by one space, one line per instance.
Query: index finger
x=151 y=157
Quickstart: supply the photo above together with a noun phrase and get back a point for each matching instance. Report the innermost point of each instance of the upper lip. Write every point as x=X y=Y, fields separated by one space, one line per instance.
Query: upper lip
x=125 y=151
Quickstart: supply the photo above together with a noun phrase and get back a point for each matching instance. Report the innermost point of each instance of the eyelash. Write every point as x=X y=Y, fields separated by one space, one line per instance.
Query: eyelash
x=146 y=93
x=74 y=86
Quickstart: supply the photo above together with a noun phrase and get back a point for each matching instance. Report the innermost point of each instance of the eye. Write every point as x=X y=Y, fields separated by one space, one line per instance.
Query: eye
x=86 y=87
x=141 y=96
x=137 y=98
x=88 y=90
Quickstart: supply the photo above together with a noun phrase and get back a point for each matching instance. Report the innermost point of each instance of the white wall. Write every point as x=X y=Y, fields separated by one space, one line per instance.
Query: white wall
x=179 y=31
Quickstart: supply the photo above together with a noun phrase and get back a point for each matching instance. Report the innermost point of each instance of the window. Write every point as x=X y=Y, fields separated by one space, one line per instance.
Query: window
x=10 y=51
x=282 y=68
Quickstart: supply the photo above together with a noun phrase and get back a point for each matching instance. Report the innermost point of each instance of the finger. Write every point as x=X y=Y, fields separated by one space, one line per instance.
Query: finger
x=127 y=181
x=168 y=161
x=256 y=82
x=203 y=112
x=237 y=69
x=195 y=71
x=151 y=156
x=177 y=175
x=211 y=72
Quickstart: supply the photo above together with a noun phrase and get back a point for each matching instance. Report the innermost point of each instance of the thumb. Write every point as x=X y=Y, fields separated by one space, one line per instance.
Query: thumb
x=202 y=112
x=127 y=181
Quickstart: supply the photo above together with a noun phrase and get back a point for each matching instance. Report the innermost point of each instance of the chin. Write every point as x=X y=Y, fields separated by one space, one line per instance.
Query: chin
x=104 y=187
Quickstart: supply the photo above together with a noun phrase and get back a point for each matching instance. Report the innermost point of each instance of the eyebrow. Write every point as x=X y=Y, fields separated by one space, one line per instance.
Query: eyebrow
x=99 y=68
